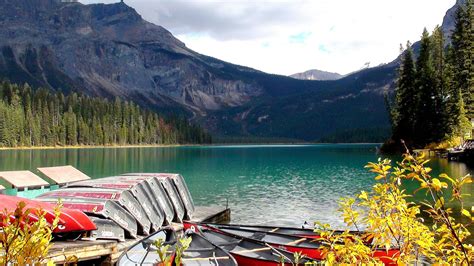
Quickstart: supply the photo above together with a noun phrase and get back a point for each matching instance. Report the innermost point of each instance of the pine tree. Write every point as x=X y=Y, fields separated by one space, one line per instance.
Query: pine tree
x=463 y=49
x=425 y=107
x=441 y=129
x=403 y=114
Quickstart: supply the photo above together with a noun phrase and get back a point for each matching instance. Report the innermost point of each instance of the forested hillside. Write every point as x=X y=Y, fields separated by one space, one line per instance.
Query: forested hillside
x=41 y=118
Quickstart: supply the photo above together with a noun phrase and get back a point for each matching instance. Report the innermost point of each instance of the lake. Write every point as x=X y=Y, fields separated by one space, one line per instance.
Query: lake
x=271 y=184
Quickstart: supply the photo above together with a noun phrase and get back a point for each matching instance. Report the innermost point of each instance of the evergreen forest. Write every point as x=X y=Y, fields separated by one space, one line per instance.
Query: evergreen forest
x=40 y=117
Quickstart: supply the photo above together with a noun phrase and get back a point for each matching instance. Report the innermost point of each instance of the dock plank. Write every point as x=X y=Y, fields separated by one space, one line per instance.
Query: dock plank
x=23 y=179
x=80 y=250
x=63 y=174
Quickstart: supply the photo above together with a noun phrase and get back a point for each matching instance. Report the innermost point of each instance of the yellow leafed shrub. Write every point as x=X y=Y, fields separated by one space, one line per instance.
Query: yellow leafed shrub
x=22 y=241
x=392 y=220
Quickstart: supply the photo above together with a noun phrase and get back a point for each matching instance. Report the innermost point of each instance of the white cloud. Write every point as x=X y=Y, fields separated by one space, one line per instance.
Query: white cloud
x=284 y=37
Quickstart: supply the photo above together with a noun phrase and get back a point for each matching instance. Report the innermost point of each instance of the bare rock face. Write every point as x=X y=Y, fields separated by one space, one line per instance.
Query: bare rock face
x=109 y=50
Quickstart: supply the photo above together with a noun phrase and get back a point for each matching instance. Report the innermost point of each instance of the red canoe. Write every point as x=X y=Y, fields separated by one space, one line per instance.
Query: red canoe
x=246 y=251
x=292 y=231
x=295 y=243
x=70 y=220
x=122 y=197
x=106 y=209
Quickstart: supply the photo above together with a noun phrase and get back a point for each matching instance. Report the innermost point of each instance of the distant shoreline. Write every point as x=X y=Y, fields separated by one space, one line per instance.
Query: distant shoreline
x=95 y=146
x=170 y=145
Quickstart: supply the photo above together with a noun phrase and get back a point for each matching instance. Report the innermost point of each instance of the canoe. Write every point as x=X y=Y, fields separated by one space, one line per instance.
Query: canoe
x=181 y=188
x=159 y=195
x=122 y=197
x=246 y=251
x=174 y=197
x=292 y=244
x=200 y=252
x=107 y=209
x=107 y=229
x=292 y=231
x=71 y=222
x=185 y=194
x=279 y=238
x=139 y=191
x=144 y=252
x=171 y=191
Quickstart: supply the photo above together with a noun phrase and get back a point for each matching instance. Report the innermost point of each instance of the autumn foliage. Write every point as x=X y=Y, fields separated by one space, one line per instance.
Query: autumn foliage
x=26 y=242
x=421 y=231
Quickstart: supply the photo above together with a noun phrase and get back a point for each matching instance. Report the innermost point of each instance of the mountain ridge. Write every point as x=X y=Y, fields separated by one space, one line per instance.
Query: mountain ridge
x=108 y=50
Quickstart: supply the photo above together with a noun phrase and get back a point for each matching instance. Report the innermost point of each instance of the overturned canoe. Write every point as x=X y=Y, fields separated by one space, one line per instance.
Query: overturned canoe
x=246 y=251
x=181 y=187
x=71 y=221
x=107 y=229
x=139 y=191
x=106 y=209
x=122 y=197
x=159 y=194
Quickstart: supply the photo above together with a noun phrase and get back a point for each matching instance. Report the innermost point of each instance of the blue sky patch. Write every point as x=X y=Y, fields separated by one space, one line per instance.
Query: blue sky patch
x=300 y=37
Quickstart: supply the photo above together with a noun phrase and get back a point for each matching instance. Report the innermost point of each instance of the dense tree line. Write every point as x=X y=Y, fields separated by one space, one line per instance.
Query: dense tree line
x=41 y=118
x=435 y=92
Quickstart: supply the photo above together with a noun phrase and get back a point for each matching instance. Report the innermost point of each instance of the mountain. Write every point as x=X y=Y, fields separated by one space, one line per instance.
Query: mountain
x=108 y=50
x=315 y=74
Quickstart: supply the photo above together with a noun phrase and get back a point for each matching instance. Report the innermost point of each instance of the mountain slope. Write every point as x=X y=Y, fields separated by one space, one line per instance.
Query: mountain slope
x=315 y=74
x=109 y=50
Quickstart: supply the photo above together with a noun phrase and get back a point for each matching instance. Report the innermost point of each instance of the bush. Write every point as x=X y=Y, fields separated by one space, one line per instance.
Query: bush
x=392 y=220
x=22 y=241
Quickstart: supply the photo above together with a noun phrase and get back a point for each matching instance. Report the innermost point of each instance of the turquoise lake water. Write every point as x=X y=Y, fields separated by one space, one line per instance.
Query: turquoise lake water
x=268 y=184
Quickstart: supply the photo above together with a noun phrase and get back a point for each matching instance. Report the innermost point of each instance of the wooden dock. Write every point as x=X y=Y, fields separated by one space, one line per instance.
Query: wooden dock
x=107 y=252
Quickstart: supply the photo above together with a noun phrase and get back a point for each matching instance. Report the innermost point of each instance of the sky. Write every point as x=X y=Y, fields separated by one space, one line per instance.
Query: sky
x=291 y=36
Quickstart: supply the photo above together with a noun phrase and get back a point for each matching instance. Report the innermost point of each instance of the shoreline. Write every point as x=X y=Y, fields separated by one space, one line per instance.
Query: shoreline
x=170 y=145
x=96 y=147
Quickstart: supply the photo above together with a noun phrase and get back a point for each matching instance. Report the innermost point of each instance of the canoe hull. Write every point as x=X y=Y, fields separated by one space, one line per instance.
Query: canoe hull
x=107 y=229
x=181 y=188
x=70 y=220
x=386 y=257
x=137 y=190
x=122 y=197
x=106 y=209
x=245 y=251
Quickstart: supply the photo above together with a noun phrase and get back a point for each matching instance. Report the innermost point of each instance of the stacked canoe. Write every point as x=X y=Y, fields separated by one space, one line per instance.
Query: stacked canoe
x=128 y=205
